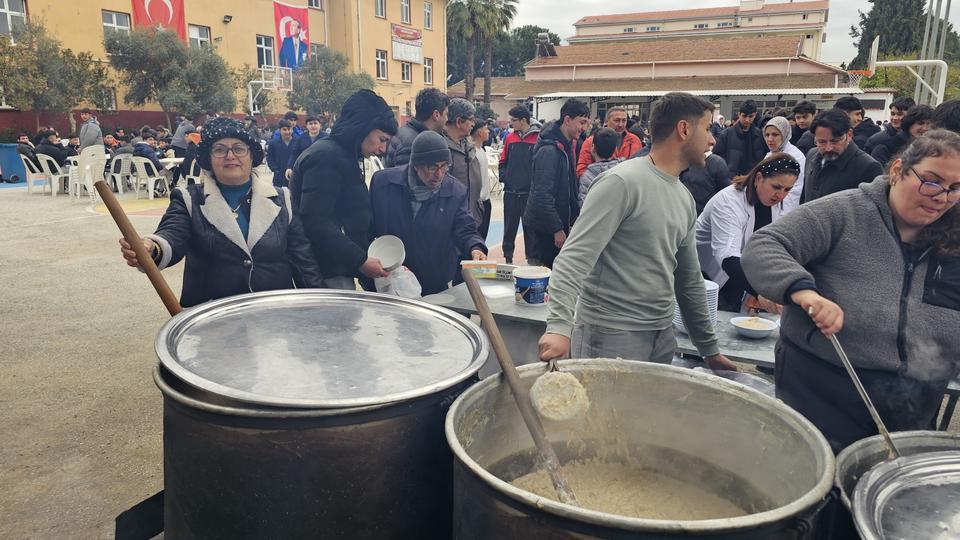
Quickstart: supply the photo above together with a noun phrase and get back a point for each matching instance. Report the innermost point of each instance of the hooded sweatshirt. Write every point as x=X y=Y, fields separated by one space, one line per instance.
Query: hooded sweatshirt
x=783 y=125
x=328 y=187
x=901 y=305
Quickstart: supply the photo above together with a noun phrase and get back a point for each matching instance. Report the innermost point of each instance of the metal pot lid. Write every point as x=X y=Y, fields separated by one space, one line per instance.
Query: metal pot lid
x=320 y=348
x=915 y=496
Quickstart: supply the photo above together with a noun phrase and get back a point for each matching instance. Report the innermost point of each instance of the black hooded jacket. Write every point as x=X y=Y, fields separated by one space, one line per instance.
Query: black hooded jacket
x=864 y=130
x=552 y=205
x=329 y=192
x=741 y=149
x=884 y=136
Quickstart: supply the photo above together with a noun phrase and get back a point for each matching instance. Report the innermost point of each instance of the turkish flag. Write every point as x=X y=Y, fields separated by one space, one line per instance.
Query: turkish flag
x=160 y=14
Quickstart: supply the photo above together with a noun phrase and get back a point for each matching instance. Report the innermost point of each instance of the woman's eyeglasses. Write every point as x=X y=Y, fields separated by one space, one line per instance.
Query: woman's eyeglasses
x=933 y=189
x=220 y=150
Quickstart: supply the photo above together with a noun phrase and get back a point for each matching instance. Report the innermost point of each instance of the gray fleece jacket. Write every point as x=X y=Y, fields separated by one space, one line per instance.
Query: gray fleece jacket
x=901 y=307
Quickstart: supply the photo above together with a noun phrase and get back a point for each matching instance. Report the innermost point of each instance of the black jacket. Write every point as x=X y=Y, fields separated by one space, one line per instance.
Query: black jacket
x=848 y=171
x=889 y=147
x=329 y=190
x=398 y=152
x=704 y=182
x=882 y=137
x=27 y=151
x=299 y=146
x=795 y=133
x=806 y=142
x=437 y=237
x=864 y=130
x=741 y=149
x=58 y=152
x=198 y=225
x=278 y=157
x=552 y=205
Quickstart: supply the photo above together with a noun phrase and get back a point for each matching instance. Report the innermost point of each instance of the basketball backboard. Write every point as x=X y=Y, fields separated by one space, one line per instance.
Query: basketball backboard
x=874 y=49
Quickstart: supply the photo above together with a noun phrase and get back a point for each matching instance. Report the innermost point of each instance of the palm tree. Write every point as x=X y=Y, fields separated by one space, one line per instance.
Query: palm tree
x=500 y=14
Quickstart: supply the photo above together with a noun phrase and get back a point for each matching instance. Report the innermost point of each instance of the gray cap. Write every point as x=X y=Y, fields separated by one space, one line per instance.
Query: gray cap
x=428 y=148
x=460 y=108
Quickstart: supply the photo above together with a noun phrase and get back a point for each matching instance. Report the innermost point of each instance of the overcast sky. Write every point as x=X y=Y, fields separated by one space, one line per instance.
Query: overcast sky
x=838 y=47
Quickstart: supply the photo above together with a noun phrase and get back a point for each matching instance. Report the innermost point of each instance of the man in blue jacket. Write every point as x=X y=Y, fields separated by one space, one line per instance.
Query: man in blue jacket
x=278 y=154
x=301 y=143
x=428 y=209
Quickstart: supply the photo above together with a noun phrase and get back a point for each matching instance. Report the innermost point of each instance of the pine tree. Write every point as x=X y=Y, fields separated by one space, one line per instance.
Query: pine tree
x=900 y=24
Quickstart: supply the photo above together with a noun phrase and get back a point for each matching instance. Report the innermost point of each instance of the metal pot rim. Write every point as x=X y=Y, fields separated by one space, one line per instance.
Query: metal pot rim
x=809 y=499
x=171 y=329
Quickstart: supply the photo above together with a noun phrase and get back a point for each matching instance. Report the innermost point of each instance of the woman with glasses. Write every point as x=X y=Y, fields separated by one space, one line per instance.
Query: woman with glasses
x=879 y=266
x=236 y=230
x=428 y=209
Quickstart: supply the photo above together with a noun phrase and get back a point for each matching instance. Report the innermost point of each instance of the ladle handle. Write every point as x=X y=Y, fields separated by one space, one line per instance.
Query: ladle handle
x=881 y=427
x=130 y=235
x=520 y=392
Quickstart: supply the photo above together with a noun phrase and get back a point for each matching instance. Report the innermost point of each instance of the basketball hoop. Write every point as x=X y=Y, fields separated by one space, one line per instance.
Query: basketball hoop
x=273 y=79
x=856 y=75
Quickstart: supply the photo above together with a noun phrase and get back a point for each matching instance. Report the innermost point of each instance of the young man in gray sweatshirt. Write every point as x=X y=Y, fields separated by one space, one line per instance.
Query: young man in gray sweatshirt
x=633 y=250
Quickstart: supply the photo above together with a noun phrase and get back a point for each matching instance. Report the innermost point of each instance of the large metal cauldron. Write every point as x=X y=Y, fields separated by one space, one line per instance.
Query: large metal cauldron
x=728 y=439
x=307 y=414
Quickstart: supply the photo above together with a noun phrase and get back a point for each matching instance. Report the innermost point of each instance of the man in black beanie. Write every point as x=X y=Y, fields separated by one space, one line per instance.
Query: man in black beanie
x=330 y=193
x=427 y=208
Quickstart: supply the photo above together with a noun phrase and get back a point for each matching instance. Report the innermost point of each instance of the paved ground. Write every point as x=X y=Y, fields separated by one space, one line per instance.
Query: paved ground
x=80 y=417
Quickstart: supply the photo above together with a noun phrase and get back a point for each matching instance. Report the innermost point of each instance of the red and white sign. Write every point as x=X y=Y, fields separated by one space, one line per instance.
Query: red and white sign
x=160 y=14
x=407 y=44
x=293 y=34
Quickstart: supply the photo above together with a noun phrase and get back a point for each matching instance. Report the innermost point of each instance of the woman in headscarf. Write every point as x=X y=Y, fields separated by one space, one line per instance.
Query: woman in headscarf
x=236 y=230
x=730 y=219
x=777 y=136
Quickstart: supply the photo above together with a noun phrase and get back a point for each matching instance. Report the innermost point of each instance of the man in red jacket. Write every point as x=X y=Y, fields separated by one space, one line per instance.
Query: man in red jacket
x=516 y=163
x=629 y=143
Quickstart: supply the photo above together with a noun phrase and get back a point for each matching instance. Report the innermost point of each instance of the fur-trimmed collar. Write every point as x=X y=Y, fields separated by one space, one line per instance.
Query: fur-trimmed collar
x=263 y=211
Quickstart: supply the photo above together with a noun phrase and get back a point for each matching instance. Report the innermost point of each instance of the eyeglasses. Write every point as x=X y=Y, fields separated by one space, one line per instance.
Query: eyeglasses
x=433 y=169
x=220 y=151
x=822 y=142
x=933 y=189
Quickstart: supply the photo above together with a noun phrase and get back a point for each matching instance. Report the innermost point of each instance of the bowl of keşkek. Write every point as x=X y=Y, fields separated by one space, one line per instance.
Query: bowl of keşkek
x=754 y=327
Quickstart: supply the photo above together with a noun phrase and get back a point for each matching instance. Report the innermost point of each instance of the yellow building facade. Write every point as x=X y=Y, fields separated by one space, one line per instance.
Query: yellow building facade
x=243 y=32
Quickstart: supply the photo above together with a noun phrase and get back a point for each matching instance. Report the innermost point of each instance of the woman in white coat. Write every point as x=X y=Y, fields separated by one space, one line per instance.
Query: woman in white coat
x=730 y=218
x=777 y=136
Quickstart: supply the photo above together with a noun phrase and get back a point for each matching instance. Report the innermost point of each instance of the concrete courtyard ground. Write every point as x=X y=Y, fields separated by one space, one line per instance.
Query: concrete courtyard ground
x=80 y=417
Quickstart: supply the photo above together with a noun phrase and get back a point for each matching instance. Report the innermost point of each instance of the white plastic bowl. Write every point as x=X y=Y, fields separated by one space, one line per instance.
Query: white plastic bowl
x=754 y=333
x=389 y=249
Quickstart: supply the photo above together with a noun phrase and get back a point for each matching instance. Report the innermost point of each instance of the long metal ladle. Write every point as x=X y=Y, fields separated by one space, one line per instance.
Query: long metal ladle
x=892 y=452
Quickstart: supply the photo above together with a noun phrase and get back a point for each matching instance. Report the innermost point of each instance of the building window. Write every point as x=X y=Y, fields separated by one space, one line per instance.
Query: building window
x=428 y=15
x=428 y=70
x=315 y=49
x=113 y=21
x=653 y=29
x=406 y=72
x=199 y=36
x=12 y=13
x=380 y=8
x=629 y=30
x=700 y=26
x=264 y=51
x=809 y=36
x=405 y=11
x=806 y=16
x=381 y=64
x=749 y=19
x=318 y=4
x=724 y=24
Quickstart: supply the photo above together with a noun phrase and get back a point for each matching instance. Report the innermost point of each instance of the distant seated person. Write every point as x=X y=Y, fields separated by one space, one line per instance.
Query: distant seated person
x=427 y=209
x=229 y=220
x=73 y=142
x=164 y=149
x=147 y=148
x=605 y=144
x=731 y=217
x=110 y=143
x=25 y=148
x=51 y=146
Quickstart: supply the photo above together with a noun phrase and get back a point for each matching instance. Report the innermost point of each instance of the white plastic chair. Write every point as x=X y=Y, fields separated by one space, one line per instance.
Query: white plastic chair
x=33 y=173
x=53 y=176
x=91 y=163
x=146 y=176
x=120 y=171
x=194 y=172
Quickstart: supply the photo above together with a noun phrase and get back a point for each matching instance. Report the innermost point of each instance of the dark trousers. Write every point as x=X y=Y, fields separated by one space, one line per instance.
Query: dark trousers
x=541 y=250
x=177 y=152
x=825 y=395
x=485 y=223
x=514 y=204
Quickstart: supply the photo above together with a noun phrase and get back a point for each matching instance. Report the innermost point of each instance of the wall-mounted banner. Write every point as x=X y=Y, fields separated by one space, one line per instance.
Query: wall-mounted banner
x=293 y=34
x=407 y=44
x=160 y=14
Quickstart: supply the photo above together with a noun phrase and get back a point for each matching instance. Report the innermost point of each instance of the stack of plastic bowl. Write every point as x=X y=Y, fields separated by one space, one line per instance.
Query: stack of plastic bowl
x=713 y=295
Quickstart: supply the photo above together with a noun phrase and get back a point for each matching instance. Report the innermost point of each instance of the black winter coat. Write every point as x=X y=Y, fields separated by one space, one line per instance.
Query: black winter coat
x=330 y=193
x=741 y=149
x=299 y=146
x=552 y=205
x=806 y=142
x=864 y=130
x=882 y=137
x=888 y=148
x=434 y=241
x=58 y=152
x=704 y=182
x=398 y=152
x=848 y=171
x=278 y=156
x=198 y=225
